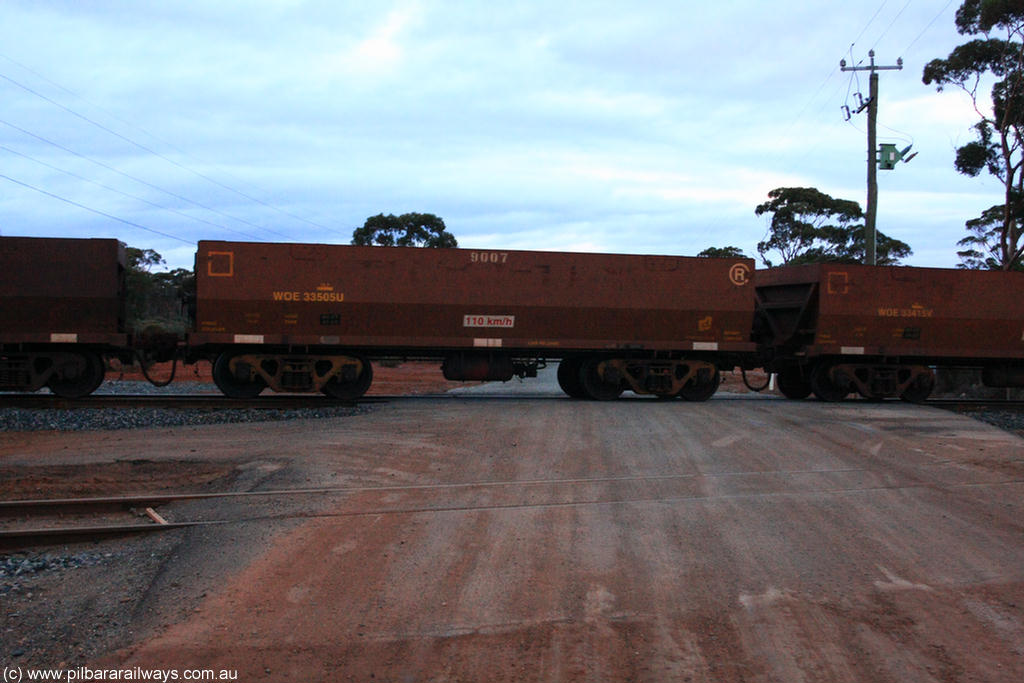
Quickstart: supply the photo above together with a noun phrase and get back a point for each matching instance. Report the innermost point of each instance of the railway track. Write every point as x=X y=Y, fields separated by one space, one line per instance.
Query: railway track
x=182 y=401
x=32 y=522
x=298 y=401
x=963 y=404
x=41 y=522
x=27 y=523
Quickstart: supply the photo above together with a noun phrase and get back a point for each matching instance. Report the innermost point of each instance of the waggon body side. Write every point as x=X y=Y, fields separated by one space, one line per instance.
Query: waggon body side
x=889 y=317
x=467 y=305
x=61 y=307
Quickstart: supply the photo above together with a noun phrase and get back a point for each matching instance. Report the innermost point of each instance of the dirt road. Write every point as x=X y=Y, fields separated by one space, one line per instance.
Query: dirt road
x=540 y=538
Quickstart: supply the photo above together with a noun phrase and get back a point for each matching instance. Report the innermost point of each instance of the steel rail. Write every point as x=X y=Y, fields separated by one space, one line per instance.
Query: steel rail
x=26 y=537
x=178 y=401
x=975 y=403
x=17 y=539
x=34 y=505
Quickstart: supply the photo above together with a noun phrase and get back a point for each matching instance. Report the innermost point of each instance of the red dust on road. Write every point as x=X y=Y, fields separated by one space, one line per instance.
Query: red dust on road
x=545 y=539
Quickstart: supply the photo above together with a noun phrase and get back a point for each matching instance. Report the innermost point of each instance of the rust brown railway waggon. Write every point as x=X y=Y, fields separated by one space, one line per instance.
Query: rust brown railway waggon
x=311 y=318
x=307 y=317
x=61 y=311
x=834 y=329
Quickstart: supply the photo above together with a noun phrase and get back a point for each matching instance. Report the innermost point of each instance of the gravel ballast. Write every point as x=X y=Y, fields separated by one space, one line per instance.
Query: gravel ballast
x=105 y=419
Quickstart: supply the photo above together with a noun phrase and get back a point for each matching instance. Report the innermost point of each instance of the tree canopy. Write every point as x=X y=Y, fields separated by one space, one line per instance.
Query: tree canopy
x=998 y=53
x=407 y=230
x=722 y=252
x=809 y=226
x=155 y=298
x=982 y=247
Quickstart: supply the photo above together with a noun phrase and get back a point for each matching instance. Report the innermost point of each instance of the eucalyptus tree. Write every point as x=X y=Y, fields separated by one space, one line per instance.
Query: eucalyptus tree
x=995 y=55
x=809 y=226
x=407 y=230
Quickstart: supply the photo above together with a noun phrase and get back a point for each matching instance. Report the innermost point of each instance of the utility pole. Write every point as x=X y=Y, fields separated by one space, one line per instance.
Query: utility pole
x=872 y=107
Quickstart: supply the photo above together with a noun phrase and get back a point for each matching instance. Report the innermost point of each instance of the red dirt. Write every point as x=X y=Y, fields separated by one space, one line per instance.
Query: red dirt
x=562 y=540
x=122 y=477
x=548 y=539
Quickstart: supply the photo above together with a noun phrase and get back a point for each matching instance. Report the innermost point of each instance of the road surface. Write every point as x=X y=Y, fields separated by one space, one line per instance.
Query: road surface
x=545 y=539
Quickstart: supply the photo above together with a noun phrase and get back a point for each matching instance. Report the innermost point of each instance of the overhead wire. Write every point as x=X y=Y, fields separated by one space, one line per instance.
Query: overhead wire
x=144 y=148
x=891 y=23
x=835 y=69
x=97 y=211
x=870 y=21
x=126 y=194
x=130 y=176
x=928 y=26
x=151 y=135
x=156 y=153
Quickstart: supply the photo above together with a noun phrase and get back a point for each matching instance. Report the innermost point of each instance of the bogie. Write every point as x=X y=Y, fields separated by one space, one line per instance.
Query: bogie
x=702 y=385
x=599 y=380
x=236 y=379
x=78 y=375
x=792 y=383
x=569 y=377
x=829 y=383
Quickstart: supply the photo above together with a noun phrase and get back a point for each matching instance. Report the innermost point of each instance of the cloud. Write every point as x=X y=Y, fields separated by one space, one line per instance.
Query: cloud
x=379 y=54
x=571 y=125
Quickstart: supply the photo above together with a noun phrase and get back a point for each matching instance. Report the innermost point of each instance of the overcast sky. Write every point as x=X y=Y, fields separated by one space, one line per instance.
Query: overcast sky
x=646 y=127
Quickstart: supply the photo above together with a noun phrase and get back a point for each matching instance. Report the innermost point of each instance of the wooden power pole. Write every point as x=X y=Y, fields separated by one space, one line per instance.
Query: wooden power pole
x=872 y=107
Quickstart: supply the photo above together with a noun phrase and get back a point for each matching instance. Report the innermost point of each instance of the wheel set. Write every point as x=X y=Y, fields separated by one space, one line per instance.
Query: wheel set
x=245 y=375
x=833 y=381
x=601 y=379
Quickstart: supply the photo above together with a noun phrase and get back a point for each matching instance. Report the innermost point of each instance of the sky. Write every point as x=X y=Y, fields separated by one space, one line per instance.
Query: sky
x=652 y=127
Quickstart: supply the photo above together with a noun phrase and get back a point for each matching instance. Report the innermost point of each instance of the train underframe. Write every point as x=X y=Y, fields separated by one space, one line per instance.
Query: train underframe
x=73 y=371
x=604 y=378
x=246 y=373
x=347 y=374
x=835 y=378
x=68 y=371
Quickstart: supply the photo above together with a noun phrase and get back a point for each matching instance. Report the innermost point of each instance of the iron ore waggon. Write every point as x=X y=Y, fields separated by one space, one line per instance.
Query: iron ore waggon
x=62 y=306
x=834 y=329
x=311 y=318
x=308 y=317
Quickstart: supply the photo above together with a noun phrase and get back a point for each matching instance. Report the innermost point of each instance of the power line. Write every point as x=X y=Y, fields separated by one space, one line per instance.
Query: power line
x=868 y=25
x=96 y=211
x=155 y=153
x=898 y=15
x=925 y=29
x=139 y=180
x=811 y=99
x=126 y=194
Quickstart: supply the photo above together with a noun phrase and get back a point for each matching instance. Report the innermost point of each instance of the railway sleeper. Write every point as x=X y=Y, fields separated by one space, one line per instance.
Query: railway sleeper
x=300 y=374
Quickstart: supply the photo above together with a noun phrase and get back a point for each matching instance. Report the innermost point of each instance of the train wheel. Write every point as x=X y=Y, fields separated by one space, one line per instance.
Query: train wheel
x=231 y=385
x=79 y=377
x=596 y=387
x=920 y=389
x=569 y=378
x=826 y=387
x=702 y=387
x=792 y=383
x=352 y=389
